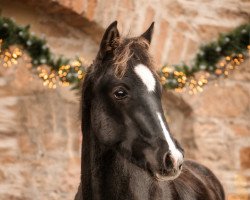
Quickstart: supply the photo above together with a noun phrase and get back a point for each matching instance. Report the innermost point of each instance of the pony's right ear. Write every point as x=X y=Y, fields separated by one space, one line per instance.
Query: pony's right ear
x=148 y=33
x=108 y=38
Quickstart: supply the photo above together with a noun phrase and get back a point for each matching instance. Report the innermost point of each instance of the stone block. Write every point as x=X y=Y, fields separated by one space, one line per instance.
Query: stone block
x=27 y=144
x=13 y=197
x=206 y=129
x=78 y=6
x=240 y=129
x=238 y=197
x=161 y=41
x=208 y=32
x=150 y=14
x=223 y=101
x=2 y=176
x=176 y=48
x=242 y=72
x=175 y=9
x=245 y=158
x=126 y=4
x=53 y=142
x=91 y=8
x=191 y=50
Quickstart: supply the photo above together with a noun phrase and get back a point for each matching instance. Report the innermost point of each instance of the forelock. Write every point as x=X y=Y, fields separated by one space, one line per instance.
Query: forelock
x=126 y=49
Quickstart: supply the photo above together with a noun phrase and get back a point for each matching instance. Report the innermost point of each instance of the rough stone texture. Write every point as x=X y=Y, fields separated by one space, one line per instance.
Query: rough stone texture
x=39 y=128
x=244 y=158
x=200 y=25
x=188 y=20
x=39 y=145
x=220 y=125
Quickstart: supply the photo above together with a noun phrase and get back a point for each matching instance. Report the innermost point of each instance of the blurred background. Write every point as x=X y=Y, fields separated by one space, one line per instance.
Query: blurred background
x=40 y=136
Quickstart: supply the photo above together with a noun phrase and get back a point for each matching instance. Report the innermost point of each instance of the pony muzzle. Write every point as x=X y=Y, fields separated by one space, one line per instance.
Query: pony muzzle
x=172 y=166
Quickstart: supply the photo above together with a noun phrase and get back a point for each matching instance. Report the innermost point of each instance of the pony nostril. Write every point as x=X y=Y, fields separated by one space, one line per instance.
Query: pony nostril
x=168 y=161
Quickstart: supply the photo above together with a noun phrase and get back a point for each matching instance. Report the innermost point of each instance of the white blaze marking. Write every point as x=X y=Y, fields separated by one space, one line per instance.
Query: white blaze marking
x=174 y=151
x=146 y=76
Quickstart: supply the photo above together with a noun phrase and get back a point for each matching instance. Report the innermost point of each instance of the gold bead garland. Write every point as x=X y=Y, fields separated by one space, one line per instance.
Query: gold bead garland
x=194 y=84
x=10 y=56
x=210 y=61
x=169 y=74
x=52 y=78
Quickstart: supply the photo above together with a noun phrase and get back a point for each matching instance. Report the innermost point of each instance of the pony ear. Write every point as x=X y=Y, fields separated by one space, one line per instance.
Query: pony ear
x=109 y=36
x=148 y=33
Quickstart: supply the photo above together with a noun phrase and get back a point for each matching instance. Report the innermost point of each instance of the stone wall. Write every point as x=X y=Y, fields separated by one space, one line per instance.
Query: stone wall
x=181 y=25
x=221 y=130
x=40 y=138
x=214 y=129
x=39 y=128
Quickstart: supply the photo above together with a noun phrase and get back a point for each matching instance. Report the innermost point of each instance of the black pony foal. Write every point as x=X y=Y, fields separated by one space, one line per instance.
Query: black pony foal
x=128 y=152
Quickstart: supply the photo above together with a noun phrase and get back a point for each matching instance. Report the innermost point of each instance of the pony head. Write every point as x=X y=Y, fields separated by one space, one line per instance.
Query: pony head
x=124 y=100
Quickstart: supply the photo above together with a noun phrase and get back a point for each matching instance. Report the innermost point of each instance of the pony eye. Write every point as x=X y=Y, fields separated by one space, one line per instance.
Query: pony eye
x=120 y=93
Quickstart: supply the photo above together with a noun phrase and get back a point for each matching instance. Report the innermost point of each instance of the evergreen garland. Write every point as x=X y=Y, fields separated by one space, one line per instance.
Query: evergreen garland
x=231 y=47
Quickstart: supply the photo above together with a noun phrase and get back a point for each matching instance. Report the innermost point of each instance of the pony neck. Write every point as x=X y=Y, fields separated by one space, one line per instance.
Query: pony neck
x=105 y=173
x=96 y=159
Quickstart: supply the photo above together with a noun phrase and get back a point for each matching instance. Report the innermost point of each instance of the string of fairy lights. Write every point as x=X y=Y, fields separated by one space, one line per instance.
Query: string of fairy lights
x=194 y=84
x=62 y=77
x=213 y=60
x=9 y=57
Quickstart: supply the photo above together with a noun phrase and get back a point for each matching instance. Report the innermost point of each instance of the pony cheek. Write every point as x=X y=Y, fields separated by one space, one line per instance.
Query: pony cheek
x=105 y=129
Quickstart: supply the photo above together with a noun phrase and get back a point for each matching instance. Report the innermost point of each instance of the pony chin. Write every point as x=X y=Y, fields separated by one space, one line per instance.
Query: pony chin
x=160 y=177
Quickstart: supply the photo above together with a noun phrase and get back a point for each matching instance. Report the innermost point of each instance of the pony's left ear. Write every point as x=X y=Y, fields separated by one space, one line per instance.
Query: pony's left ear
x=148 y=33
x=108 y=38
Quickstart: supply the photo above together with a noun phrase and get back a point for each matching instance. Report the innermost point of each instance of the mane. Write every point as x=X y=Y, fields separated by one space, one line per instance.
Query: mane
x=125 y=49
